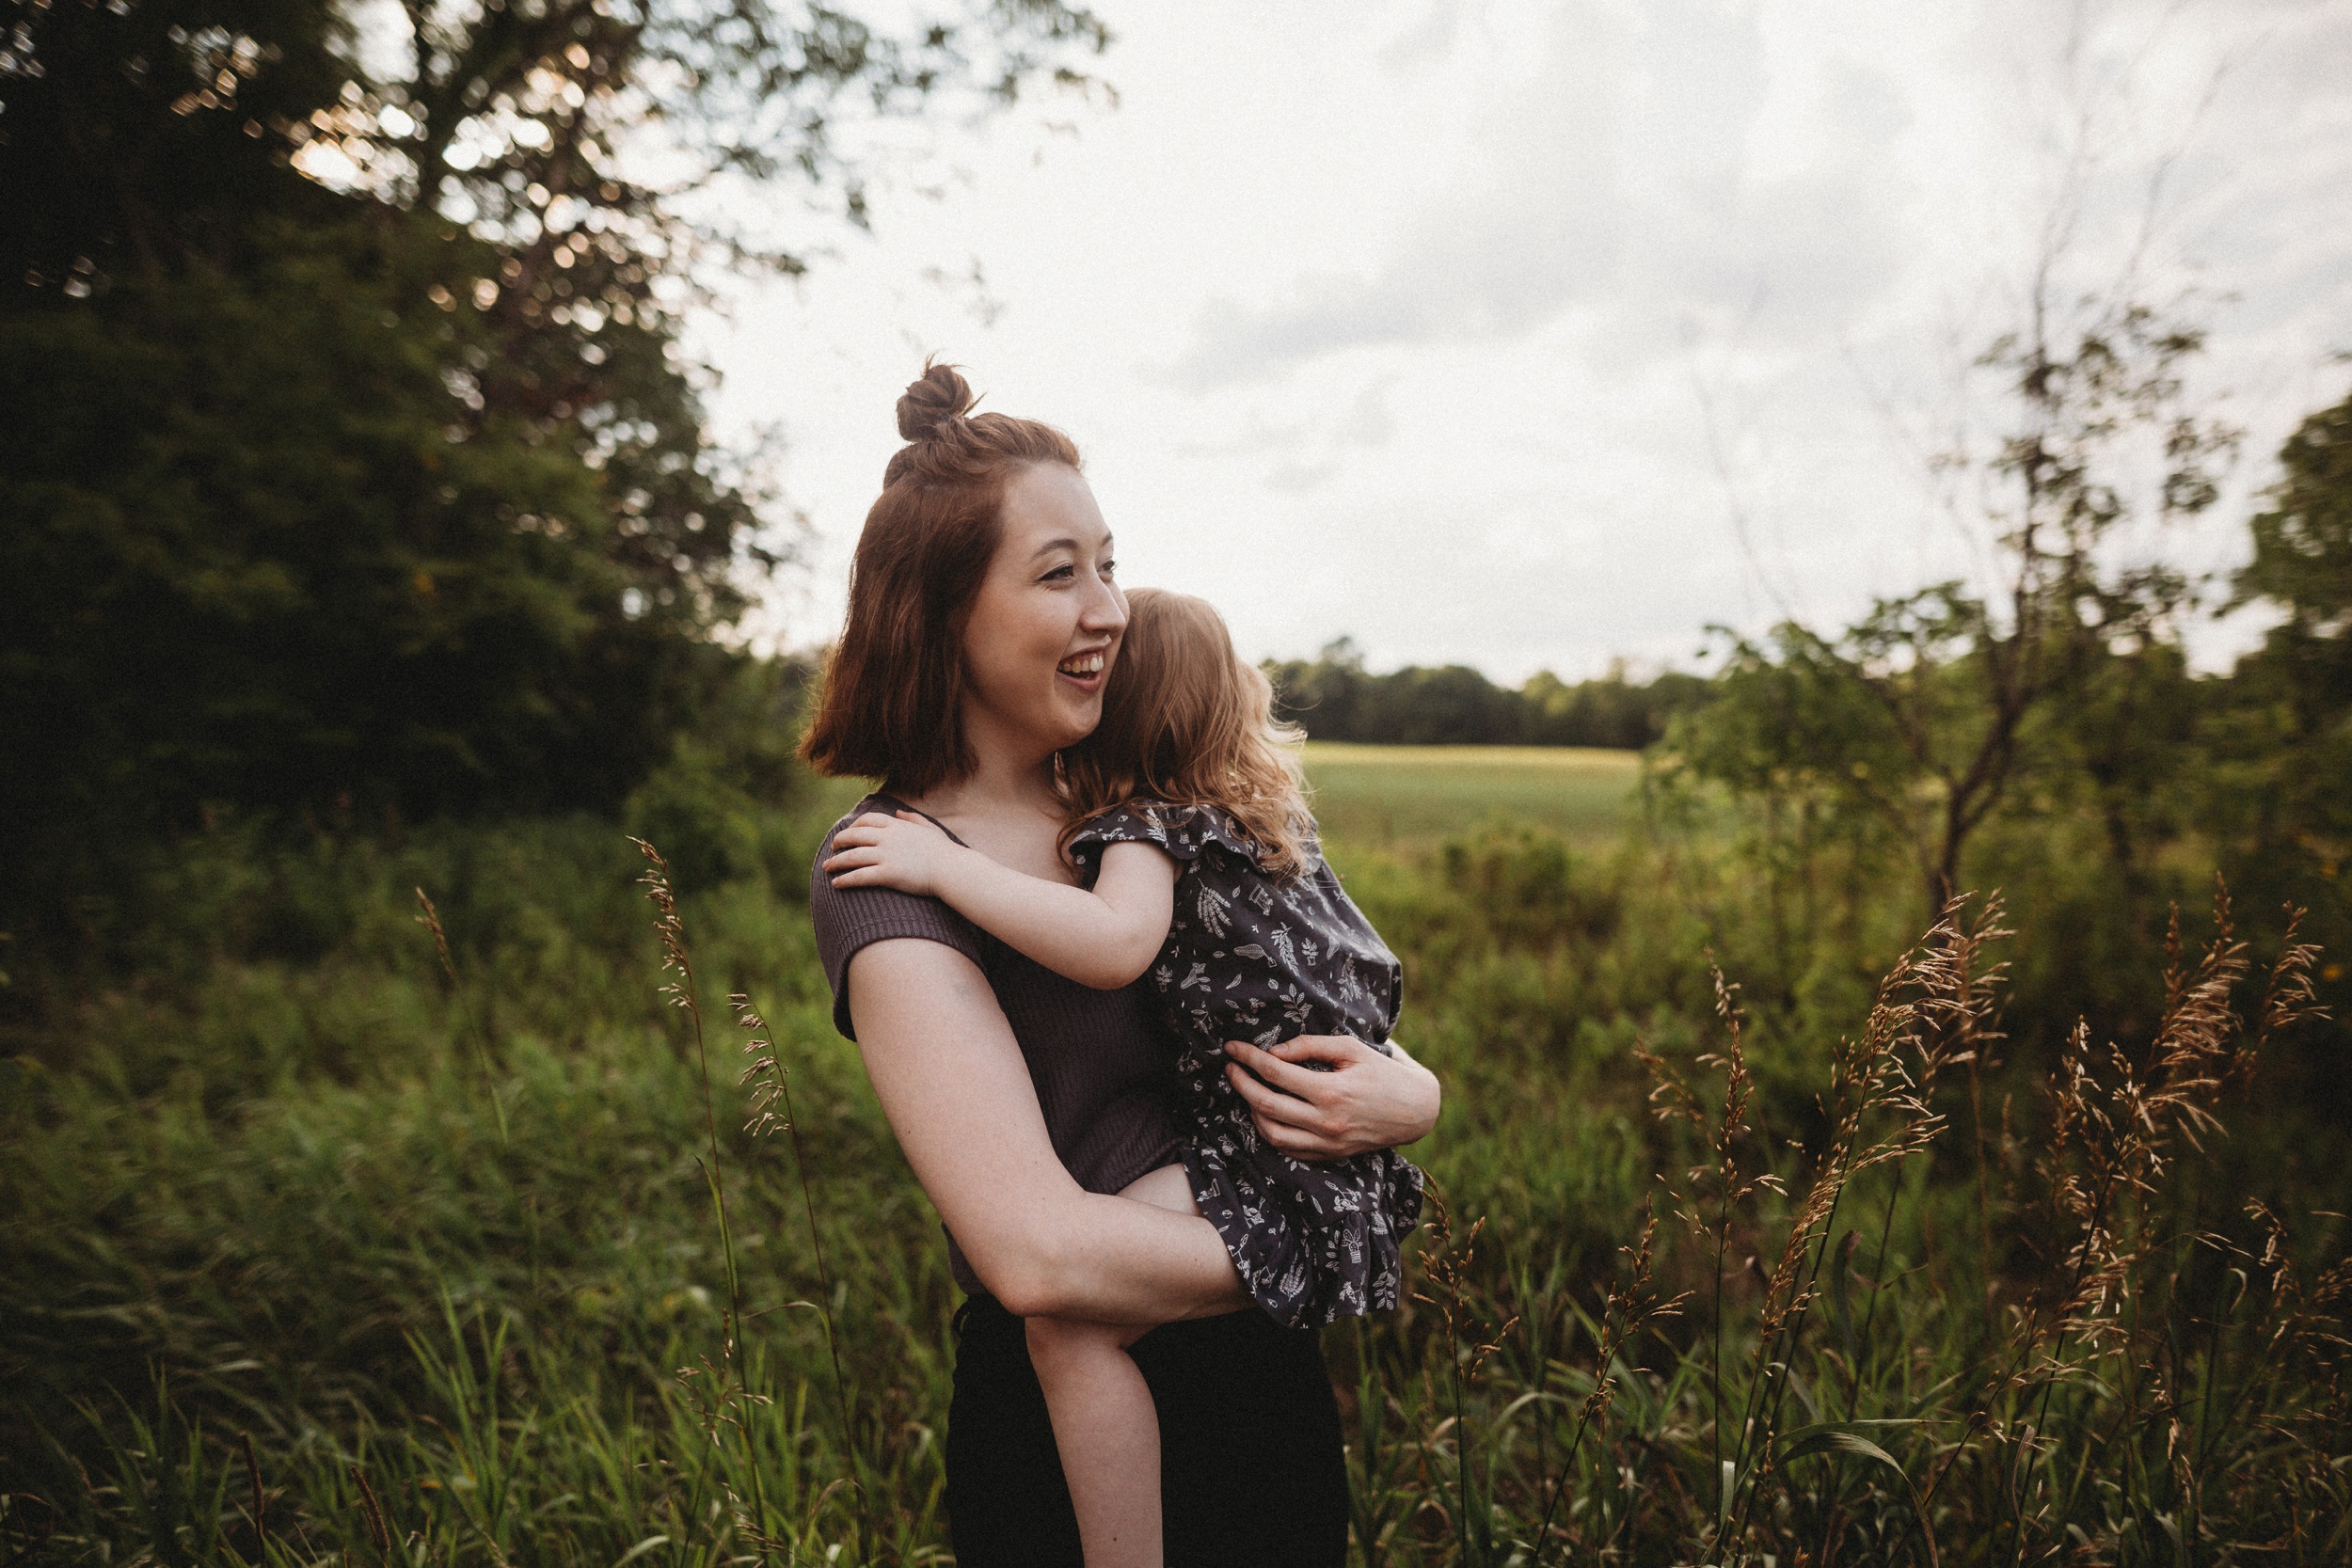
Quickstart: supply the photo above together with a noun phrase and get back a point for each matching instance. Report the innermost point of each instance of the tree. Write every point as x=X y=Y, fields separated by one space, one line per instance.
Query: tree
x=132 y=123
x=128 y=133
x=1925 y=717
x=258 y=569
x=353 y=461
x=1323 y=695
x=1615 y=711
x=2302 y=565
x=1446 y=704
x=1333 y=697
x=141 y=138
x=2282 y=801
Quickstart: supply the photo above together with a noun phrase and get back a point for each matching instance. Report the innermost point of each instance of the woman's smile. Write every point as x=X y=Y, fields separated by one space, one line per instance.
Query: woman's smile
x=1051 y=594
x=1086 y=670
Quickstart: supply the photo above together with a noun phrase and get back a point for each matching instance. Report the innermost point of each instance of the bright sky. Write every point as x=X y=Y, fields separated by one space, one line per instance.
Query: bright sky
x=1534 y=335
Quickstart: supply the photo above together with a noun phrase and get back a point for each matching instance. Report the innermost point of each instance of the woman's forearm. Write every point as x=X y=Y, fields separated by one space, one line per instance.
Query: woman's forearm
x=1364 y=1101
x=1412 y=1110
x=952 y=1081
x=1105 y=1258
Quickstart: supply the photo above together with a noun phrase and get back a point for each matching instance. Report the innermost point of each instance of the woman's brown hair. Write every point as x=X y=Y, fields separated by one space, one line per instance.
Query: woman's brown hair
x=1187 y=723
x=892 y=703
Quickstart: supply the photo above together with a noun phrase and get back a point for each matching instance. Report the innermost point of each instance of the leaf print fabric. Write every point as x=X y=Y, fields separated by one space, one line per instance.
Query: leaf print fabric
x=1254 y=958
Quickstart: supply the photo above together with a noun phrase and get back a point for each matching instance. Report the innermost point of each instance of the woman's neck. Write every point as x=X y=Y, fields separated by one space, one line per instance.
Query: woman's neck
x=1007 y=808
x=995 y=788
x=1011 y=775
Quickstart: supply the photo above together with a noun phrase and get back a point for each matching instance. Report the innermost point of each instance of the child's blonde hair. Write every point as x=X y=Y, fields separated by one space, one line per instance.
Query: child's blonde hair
x=1187 y=723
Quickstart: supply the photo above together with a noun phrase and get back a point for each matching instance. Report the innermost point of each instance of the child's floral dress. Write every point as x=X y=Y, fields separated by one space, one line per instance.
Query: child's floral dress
x=1254 y=957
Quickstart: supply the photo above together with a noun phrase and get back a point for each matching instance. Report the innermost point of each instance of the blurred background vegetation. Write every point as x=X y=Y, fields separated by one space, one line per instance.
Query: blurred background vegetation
x=362 y=533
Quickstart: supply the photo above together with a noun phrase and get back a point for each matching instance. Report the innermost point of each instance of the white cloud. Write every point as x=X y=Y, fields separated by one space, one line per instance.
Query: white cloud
x=1471 y=329
x=1528 y=216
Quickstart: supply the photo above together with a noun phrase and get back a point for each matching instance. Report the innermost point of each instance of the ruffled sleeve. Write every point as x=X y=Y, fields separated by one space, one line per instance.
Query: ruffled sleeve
x=1183 y=834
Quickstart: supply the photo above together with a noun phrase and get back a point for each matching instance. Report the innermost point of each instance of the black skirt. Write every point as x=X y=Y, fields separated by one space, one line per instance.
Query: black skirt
x=1252 y=1471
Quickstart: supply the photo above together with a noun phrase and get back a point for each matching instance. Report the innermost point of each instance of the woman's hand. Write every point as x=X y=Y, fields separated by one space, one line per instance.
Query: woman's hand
x=1364 y=1101
x=907 y=853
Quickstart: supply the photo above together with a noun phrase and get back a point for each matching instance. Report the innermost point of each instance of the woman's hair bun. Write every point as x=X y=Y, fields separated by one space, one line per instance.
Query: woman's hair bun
x=931 y=400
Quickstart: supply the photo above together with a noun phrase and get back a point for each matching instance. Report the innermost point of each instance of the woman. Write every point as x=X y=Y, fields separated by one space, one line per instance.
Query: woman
x=983 y=621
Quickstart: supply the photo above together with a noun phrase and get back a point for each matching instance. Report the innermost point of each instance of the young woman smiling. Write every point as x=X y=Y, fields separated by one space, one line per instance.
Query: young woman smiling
x=984 y=618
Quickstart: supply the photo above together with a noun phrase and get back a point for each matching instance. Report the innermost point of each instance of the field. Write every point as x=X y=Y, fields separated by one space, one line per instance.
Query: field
x=1399 y=798
x=316 y=1245
x=1402 y=797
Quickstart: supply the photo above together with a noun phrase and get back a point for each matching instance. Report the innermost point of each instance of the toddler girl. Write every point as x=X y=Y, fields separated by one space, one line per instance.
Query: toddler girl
x=1199 y=853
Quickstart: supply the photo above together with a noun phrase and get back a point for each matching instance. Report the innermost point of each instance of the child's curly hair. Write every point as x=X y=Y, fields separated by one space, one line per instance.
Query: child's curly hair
x=1187 y=723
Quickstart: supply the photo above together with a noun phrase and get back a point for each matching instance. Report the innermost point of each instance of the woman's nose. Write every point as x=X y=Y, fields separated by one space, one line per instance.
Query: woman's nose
x=1105 y=608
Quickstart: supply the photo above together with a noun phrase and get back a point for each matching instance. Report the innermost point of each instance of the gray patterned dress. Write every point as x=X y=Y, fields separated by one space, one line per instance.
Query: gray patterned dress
x=1254 y=957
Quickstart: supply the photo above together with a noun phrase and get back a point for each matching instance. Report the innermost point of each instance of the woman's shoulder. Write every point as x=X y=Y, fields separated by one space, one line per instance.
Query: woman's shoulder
x=1185 y=833
x=847 y=919
x=850 y=920
x=876 y=801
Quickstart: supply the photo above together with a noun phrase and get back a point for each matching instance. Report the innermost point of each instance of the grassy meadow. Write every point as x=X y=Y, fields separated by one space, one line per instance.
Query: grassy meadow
x=1399 y=798
x=336 y=1229
x=1408 y=798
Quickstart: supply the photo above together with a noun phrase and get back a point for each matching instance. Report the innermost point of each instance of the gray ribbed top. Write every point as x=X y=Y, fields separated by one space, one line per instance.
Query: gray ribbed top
x=1102 y=1064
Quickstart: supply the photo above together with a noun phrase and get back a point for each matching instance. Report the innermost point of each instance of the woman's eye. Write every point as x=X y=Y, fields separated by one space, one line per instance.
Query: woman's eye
x=1059 y=574
x=1110 y=568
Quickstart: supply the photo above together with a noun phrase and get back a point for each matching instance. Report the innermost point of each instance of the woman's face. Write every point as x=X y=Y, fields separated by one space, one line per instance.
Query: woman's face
x=1046 y=623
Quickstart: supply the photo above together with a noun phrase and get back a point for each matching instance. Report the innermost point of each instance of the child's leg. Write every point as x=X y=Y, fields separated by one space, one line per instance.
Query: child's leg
x=1104 y=1424
x=1108 y=1433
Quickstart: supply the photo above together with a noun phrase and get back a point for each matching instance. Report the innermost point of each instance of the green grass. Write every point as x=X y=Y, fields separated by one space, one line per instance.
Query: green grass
x=1401 y=797
x=272 y=1176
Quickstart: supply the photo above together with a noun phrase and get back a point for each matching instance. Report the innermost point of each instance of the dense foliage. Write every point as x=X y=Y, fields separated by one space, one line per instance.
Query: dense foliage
x=1333 y=697
x=2279 y=796
x=1969 y=736
x=354 y=472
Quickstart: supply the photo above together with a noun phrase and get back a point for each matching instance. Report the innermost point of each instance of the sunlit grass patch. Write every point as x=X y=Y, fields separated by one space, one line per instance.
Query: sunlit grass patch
x=1395 y=796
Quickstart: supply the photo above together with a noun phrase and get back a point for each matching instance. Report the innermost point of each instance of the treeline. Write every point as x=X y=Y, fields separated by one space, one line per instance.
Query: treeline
x=1333 y=697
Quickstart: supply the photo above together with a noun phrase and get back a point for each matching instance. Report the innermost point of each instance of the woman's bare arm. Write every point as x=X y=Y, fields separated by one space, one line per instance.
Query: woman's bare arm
x=1104 y=936
x=951 y=1080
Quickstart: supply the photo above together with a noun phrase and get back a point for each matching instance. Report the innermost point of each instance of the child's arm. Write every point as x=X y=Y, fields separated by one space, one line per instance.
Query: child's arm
x=1104 y=937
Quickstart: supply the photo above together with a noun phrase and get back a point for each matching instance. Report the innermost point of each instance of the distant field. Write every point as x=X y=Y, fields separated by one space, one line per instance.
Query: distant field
x=1391 y=796
x=1396 y=794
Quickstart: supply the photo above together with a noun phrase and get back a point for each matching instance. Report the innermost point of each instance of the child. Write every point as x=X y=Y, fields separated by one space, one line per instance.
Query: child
x=1187 y=811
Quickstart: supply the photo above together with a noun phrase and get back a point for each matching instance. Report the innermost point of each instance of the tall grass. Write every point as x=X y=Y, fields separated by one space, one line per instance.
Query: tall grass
x=453 y=1252
x=2139 y=1375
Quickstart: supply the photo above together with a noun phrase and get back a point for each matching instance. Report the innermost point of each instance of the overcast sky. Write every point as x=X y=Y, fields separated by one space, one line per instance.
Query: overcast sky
x=1535 y=335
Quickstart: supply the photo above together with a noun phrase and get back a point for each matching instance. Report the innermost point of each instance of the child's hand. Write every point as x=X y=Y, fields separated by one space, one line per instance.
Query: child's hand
x=907 y=853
